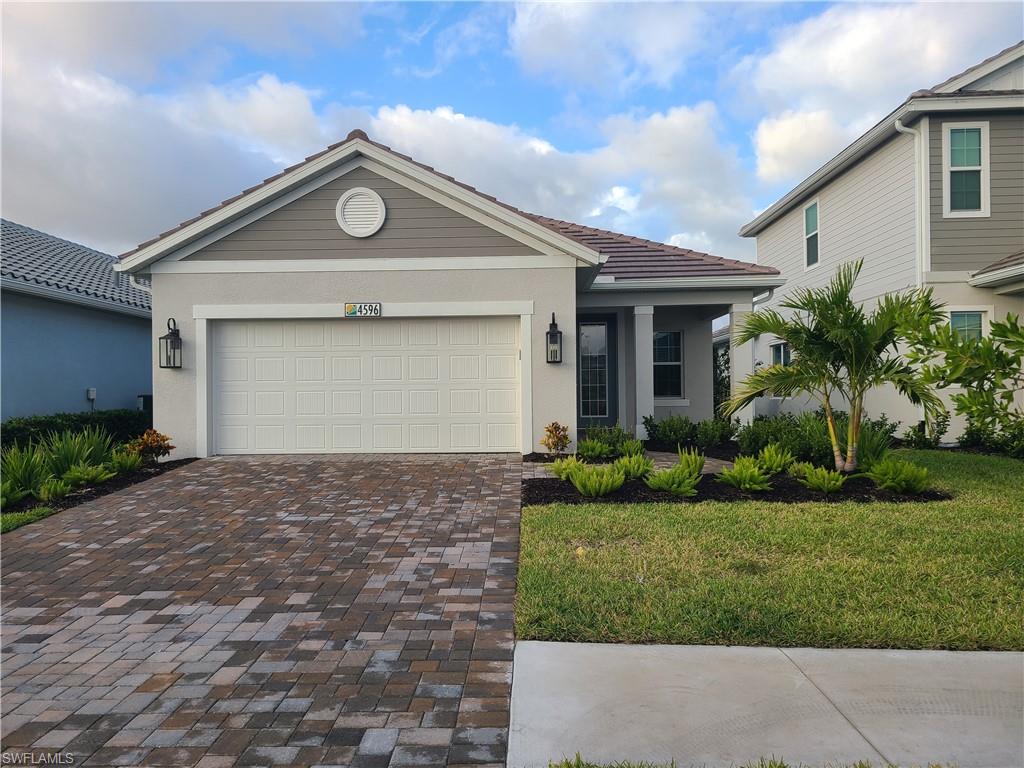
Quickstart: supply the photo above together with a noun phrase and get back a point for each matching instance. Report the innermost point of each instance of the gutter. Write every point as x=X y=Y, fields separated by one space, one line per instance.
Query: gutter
x=769 y=282
x=56 y=294
x=998 y=276
x=920 y=198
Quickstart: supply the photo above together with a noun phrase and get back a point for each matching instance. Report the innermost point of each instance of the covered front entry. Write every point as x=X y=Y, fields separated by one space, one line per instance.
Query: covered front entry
x=344 y=385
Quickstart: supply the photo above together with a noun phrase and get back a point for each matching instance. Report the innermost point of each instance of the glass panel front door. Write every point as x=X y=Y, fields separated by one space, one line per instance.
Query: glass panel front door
x=597 y=403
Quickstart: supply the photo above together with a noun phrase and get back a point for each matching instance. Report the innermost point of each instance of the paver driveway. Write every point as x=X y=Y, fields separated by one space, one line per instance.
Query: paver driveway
x=270 y=611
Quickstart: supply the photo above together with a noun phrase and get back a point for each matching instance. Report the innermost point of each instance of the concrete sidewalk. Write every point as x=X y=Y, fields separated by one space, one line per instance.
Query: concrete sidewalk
x=724 y=706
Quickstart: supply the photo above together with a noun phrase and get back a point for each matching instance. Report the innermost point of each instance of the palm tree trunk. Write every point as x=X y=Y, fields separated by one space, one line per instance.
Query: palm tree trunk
x=833 y=432
x=853 y=433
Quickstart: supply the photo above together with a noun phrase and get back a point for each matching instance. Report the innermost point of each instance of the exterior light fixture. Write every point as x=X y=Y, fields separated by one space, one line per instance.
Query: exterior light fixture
x=170 y=346
x=554 y=339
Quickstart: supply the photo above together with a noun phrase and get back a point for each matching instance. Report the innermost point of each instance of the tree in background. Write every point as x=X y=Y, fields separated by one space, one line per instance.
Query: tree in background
x=722 y=385
x=839 y=349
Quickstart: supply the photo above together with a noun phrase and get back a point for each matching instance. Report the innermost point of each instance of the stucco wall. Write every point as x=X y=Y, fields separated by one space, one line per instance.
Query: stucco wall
x=53 y=351
x=698 y=368
x=551 y=290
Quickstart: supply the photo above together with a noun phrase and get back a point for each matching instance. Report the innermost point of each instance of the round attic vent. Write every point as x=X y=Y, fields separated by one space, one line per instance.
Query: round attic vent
x=360 y=212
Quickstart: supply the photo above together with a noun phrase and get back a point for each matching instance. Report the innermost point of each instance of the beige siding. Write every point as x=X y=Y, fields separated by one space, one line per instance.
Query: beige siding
x=968 y=244
x=414 y=226
x=868 y=213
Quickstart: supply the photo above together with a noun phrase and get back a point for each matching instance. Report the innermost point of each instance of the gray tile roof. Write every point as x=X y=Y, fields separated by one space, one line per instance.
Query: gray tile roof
x=35 y=260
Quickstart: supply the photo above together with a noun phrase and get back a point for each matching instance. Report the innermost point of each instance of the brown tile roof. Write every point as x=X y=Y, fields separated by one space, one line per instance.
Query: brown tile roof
x=1013 y=260
x=628 y=257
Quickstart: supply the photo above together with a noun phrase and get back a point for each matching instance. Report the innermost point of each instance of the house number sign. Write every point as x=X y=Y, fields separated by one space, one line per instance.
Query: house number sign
x=362 y=309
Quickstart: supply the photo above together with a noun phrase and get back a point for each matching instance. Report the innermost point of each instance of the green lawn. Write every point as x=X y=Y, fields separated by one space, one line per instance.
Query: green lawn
x=924 y=575
x=11 y=520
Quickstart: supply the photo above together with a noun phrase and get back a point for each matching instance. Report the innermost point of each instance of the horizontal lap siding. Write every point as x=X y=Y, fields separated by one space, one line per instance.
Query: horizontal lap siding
x=867 y=213
x=968 y=244
x=414 y=226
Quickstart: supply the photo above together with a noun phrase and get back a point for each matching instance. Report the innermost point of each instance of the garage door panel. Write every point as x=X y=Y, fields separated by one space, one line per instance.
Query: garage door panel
x=434 y=384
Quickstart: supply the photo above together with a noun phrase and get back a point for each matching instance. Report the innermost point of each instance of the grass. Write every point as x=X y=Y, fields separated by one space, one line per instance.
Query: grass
x=11 y=520
x=946 y=574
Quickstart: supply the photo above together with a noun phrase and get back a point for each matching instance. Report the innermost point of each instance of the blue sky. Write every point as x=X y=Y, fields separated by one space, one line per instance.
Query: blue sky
x=674 y=121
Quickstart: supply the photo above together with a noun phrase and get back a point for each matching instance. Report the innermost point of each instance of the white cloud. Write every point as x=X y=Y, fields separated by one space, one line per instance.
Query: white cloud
x=792 y=144
x=839 y=72
x=697 y=241
x=100 y=159
x=606 y=46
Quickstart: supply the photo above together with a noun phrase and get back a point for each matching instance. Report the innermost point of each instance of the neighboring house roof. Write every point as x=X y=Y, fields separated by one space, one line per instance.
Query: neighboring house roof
x=948 y=95
x=1007 y=269
x=620 y=256
x=721 y=335
x=36 y=263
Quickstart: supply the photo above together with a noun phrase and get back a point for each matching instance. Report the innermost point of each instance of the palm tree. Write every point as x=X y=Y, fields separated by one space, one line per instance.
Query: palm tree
x=840 y=349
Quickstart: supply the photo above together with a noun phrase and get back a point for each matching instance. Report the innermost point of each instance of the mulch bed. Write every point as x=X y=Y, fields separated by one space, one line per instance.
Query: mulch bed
x=89 y=493
x=785 y=489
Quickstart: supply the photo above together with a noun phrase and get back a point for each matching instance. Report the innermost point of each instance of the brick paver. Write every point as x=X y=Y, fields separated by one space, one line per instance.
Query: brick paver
x=274 y=611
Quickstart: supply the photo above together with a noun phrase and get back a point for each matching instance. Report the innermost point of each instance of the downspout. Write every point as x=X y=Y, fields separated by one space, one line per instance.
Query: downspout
x=920 y=199
x=141 y=286
x=766 y=296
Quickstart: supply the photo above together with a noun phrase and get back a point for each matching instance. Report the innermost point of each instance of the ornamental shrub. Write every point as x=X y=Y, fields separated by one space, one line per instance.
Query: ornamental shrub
x=151 y=446
x=634 y=467
x=593 y=450
x=632 y=448
x=121 y=424
x=773 y=458
x=563 y=468
x=124 y=461
x=614 y=437
x=899 y=476
x=53 y=490
x=674 y=430
x=10 y=495
x=712 y=432
x=556 y=437
x=822 y=479
x=87 y=474
x=746 y=474
x=25 y=468
x=678 y=480
x=593 y=481
x=691 y=460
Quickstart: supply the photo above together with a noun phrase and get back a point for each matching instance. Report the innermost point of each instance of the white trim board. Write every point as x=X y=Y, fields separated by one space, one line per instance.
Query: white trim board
x=984 y=211
x=362 y=153
x=203 y=313
x=410 y=264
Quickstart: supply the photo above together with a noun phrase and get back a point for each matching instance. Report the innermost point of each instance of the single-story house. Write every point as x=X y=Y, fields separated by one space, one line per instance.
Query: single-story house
x=75 y=334
x=361 y=301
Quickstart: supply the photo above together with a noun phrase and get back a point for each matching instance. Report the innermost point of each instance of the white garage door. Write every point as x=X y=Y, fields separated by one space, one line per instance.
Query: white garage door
x=352 y=385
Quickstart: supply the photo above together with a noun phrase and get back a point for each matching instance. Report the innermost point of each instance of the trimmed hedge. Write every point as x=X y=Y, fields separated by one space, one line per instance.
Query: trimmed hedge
x=122 y=425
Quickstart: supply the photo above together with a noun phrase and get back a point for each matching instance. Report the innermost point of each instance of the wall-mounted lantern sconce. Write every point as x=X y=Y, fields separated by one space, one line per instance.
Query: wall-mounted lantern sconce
x=554 y=338
x=170 y=346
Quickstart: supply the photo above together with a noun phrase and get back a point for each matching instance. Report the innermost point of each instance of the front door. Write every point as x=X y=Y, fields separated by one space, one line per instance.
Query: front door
x=597 y=395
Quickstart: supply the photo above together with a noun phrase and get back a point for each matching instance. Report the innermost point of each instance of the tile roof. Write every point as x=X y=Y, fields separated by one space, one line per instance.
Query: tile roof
x=1013 y=260
x=628 y=257
x=35 y=259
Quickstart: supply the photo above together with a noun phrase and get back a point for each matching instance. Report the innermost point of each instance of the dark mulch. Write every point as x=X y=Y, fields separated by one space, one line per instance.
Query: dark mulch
x=89 y=493
x=784 y=489
x=724 y=451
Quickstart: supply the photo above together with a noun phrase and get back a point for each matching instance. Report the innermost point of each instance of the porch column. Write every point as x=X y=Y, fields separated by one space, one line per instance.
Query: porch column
x=643 y=350
x=741 y=358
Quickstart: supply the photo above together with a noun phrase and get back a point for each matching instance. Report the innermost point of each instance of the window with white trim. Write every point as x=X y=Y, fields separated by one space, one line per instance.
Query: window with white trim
x=668 y=364
x=965 y=170
x=781 y=354
x=967 y=325
x=811 y=235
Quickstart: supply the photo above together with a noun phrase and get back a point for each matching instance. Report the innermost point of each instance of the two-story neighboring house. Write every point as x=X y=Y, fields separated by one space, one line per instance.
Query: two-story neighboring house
x=932 y=196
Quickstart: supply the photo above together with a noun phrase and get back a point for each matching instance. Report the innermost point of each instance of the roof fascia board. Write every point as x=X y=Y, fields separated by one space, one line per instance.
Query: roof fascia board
x=982 y=70
x=177 y=240
x=882 y=131
x=998 y=276
x=56 y=294
x=675 y=283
